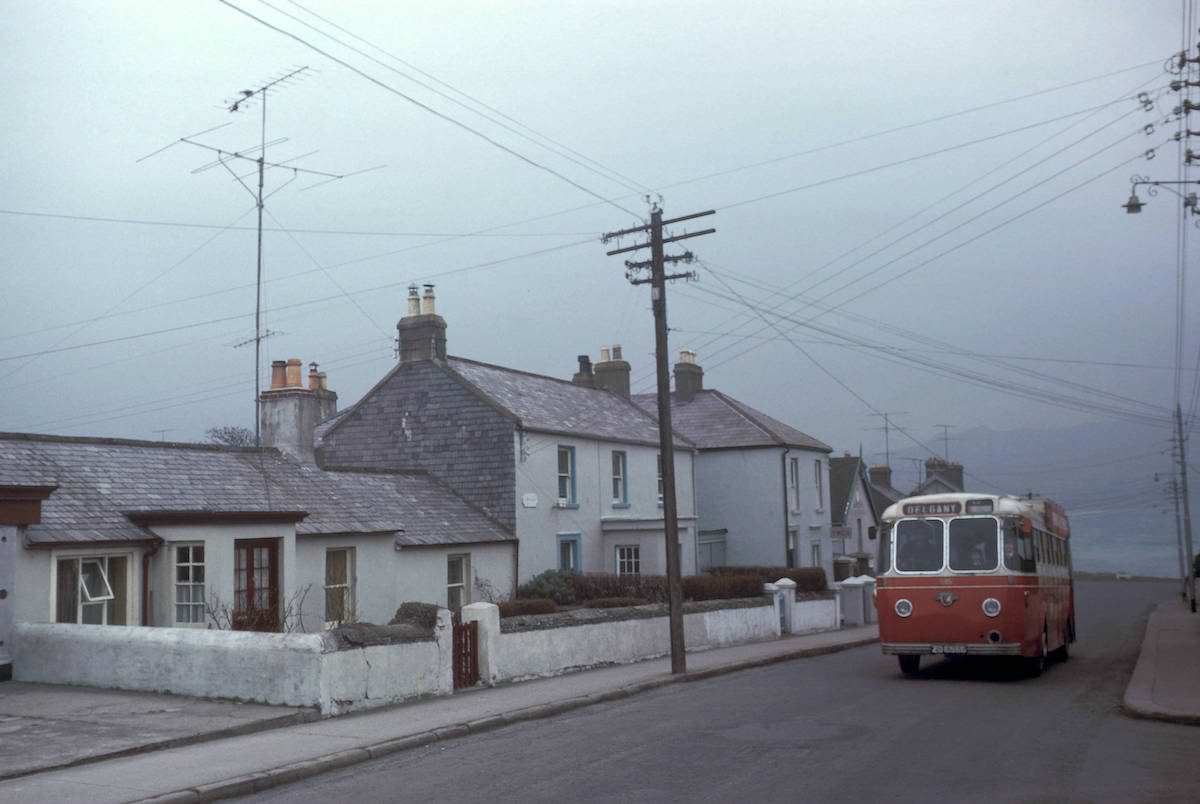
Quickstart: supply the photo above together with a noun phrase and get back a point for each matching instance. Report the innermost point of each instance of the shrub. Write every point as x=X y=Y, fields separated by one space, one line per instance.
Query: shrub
x=808 y=579
x=527 y=605
x=594 y=586
x=615 y=602
x=423 y=615
x=557 y=585
x=721 y=587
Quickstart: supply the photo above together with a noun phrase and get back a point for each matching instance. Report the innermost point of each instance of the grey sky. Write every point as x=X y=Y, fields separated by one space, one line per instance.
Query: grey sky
x=661 y=92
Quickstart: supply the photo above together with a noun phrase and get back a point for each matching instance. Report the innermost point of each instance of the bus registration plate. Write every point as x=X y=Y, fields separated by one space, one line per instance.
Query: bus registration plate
x=948 y=649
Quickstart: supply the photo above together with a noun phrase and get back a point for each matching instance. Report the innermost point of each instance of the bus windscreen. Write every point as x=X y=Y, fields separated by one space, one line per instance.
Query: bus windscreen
x=973 y=544
x=919 y=545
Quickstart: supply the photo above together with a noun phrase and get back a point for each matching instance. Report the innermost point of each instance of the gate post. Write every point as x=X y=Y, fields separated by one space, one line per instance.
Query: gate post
x=443 y=633
x=487 y=615
x=787 y=593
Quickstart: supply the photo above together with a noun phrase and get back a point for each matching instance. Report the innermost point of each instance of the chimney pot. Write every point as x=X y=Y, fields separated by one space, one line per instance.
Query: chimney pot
x=427 y=305
x=414 y=301
x=584 y=376
x=314 y=377
x=605 y=355
x=616 y=351
x=687 y=356
x=278 y=374
x=323 y=381
x=293 y=373
x=612 y=373
x=689 y=377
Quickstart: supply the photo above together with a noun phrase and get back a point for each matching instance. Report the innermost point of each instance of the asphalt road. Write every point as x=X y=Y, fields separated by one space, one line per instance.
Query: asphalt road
x=846 y=726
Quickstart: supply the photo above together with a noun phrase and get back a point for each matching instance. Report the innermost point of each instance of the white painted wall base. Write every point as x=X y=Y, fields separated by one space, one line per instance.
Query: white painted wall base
x=285 y=669
x=553 y=651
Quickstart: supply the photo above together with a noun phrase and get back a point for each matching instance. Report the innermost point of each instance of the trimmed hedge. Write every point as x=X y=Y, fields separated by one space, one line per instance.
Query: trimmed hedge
x=808 y=579
x=653 y=588
x=536 y=605
x=615 y=602
x=557 y=585
x=721 y=587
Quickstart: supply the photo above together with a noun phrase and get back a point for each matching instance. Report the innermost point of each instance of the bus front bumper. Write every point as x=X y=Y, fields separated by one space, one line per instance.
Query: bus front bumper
x=953 y=649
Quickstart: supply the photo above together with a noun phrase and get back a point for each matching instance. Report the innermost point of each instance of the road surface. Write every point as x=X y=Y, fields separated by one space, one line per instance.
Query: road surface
x=843 y=727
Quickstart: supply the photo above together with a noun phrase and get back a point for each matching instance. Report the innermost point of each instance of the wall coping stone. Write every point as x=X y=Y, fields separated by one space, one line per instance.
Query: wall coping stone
x=586 y=616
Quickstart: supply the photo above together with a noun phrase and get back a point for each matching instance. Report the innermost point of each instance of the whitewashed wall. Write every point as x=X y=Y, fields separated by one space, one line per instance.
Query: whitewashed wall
x=551 y=651
x=285 y=669
x=540 y=524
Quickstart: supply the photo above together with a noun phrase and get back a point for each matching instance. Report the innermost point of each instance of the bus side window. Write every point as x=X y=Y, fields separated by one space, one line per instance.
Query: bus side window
x=885 y=549
x=1012 y=548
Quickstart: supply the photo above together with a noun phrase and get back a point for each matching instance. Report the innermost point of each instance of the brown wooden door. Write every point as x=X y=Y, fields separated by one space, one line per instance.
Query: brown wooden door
x=256 y=585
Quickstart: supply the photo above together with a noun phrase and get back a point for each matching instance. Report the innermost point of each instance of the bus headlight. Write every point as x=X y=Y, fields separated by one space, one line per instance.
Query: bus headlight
x=991 y=607
x=903 y=607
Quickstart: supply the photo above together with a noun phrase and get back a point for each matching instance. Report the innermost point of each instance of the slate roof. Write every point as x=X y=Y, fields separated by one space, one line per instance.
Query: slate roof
x=712 y=420
x=842 y=473
x=548 y=404
x=103 y=484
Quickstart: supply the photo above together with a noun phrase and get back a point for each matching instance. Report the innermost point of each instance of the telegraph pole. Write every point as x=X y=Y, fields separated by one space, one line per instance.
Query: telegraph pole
x=1183 y=561
x=1187 y=506
x=666 y=441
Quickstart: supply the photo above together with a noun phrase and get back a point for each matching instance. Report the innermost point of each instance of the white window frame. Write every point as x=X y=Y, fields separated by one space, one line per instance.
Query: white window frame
x=635 y=559
x=794 y=483
x=816 y=554
x=569 y=475
x=349 y=587
x=465 y=584
x=176 y=583
x=620 y=476
x=819 y=477
x=131 y=567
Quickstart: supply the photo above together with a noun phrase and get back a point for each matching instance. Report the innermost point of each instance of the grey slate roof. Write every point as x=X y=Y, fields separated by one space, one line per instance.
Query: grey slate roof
x=101 y=482
x=842 y=473
x=712 y=420
x=548 y=404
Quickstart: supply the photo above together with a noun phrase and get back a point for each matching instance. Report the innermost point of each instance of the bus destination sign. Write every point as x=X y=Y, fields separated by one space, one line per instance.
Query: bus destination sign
x=914 y=509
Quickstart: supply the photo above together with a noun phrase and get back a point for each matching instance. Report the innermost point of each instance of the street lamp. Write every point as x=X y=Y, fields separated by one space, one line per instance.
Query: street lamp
x=1134 y=205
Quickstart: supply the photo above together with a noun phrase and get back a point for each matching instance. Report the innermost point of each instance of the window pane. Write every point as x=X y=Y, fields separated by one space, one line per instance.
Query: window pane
x=335 y=567
x=67 y=606
x=95 y=584
x=564 y=555
x=454 y=598
x=454 y=570
x=335 y=611
x=198 y=553
x=183 y=555
x=564 y=487
x=183 y=573
x=198 y=574
x=919 y=545
x=616 y=489
x=93 y=614
x=973 y=544
x=564 y=461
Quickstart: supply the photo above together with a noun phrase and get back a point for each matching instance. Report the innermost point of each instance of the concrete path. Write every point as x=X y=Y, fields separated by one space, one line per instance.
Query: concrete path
x=45 y=726
x=243 y=764
x=1166 y=682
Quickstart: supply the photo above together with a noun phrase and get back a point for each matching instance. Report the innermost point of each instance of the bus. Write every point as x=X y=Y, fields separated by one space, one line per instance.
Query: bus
x=975 y=575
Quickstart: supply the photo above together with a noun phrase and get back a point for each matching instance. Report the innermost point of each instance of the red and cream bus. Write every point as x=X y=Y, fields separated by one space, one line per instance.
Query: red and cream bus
x=975 y=574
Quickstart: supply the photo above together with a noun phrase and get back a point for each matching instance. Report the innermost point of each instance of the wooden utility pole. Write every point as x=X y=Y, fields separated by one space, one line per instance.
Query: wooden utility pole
x=666 y=440
x=1187 y=505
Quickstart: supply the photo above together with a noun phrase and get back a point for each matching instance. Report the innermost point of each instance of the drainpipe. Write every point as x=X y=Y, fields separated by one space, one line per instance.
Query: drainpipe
x=786 y=530
x=146 y=608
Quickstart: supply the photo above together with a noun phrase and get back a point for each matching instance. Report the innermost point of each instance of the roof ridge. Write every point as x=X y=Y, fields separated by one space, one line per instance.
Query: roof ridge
x=523 y=372
x=48 y=438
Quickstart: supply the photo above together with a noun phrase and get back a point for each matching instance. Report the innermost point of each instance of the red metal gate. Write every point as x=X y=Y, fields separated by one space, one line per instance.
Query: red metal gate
x=466 y=654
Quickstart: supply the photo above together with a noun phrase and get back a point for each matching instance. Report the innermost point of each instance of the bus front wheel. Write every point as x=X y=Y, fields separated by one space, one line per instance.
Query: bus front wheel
x=910 y=664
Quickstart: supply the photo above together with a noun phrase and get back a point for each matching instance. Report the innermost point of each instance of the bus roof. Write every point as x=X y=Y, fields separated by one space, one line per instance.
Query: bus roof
x=1044 y=512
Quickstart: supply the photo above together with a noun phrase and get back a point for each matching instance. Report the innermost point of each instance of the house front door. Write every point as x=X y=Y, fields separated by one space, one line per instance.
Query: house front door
x=256 y=585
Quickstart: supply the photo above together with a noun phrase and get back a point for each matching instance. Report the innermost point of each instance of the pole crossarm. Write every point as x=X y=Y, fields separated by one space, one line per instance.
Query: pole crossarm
x=241 y=155
x=665 y=240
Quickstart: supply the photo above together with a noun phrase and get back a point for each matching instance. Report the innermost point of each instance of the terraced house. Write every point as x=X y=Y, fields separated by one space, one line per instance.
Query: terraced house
x=570 y=468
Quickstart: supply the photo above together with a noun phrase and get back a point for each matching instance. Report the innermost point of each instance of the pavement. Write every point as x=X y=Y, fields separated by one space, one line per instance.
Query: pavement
x=248 y=763
x=1165 y=684
x=46 y=726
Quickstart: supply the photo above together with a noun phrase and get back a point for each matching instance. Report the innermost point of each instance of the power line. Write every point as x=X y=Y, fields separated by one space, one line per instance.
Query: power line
x=430 y=109
x=347 y=232
x=570 y=154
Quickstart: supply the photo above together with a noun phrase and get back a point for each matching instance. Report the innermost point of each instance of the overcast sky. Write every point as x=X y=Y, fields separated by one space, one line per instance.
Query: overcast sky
x=660 y=93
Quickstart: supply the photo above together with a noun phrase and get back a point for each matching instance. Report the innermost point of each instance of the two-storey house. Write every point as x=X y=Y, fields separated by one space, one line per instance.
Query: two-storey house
x=762 y=486
x=854 y=508
x=571 y=468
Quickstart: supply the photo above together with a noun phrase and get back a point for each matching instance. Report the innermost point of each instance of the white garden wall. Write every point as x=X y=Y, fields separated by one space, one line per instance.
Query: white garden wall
x=286 y=669
x=553 y=650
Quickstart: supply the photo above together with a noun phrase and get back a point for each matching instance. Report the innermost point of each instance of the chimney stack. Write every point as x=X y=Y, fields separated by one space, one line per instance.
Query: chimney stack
x=949 y=471
x=880 y=475
x=689 y=377
x=612 y=373
x=422 y=330
x=584 y=376
x=289 y=412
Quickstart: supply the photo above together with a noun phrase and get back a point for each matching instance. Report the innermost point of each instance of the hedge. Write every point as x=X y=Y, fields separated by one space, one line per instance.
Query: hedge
x=721 y=587
x=557 y=585
x=808 y=579
x=515 y=608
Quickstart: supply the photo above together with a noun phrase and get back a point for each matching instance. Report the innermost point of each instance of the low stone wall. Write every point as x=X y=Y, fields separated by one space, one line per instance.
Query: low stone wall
x=816 y=612
x=550 y=644
x=317 y=670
